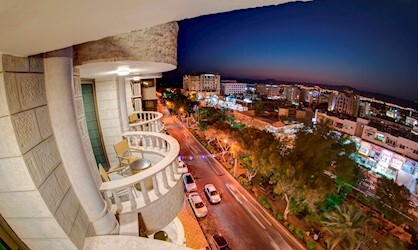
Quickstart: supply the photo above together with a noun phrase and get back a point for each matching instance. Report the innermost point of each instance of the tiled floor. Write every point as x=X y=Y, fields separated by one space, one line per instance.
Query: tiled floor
x=194 y=236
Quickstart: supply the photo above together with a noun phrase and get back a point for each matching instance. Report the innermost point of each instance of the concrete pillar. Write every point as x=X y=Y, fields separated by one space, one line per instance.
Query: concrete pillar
x=122 y=103
x=59 y=93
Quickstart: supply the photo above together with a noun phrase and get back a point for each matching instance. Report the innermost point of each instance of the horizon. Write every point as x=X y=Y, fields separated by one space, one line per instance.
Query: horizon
x=319 y=42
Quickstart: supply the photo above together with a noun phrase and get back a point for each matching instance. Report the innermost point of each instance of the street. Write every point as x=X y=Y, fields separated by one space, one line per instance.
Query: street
x=239 y=217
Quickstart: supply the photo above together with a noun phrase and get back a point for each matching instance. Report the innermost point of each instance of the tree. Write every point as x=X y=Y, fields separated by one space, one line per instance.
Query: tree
x=258 y=107
x=347 y=228
x=393 y=198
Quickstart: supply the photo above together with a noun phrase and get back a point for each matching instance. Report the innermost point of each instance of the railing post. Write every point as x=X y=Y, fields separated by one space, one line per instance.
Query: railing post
x=172 y=171
x=117 y=201
x=165 y=180
x=144 y=192
x=132 y=198
x=155 y=185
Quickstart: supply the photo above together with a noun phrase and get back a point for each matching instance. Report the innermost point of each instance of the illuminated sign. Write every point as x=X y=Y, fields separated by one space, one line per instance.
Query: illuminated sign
x=397 y=162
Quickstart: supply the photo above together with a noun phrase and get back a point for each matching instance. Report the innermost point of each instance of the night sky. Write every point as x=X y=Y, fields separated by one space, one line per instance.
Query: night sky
x=369 y=45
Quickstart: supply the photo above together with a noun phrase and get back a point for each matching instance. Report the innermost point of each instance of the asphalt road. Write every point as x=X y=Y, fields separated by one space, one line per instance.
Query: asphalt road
x=239 y=217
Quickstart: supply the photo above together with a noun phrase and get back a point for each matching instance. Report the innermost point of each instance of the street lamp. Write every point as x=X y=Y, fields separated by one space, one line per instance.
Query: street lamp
x=187 y=116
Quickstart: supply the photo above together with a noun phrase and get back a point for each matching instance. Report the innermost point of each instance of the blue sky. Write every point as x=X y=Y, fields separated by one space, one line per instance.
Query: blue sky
x=369 y=45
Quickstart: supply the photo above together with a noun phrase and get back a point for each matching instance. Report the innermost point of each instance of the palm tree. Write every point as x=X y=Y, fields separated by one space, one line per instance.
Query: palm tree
x=348 y=228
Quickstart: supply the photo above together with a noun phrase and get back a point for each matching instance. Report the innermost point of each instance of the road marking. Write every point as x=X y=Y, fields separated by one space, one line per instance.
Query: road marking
x=273 y=243
x=245 y=207
x=257 y=210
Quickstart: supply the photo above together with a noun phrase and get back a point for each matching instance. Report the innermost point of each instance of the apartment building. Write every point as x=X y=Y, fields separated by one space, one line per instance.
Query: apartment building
x=202 y=84
x=231 y=87
x=292 y=93
x=344 y=103
x=268 y=90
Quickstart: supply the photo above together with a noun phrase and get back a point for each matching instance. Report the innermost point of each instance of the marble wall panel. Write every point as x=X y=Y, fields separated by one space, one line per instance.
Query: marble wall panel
x=36 y=64
x=80 y=227
x=42 y=160
x=40 y=228
x=31 y=90
x=15 y=64
x=67 y=211
x=12 y=92
x=44 y=122
x=26 y=129
x=15 y=175
x=23 y=205
x=51 y=193
x=8 y=142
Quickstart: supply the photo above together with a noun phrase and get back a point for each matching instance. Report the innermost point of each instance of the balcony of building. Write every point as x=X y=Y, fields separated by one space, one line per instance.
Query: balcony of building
x=149 y=121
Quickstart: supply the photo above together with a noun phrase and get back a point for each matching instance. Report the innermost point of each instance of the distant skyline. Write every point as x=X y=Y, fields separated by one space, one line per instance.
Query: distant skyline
x=366 y=44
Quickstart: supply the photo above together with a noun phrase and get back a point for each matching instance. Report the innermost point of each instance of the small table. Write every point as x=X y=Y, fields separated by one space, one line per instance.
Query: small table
x=138 y=166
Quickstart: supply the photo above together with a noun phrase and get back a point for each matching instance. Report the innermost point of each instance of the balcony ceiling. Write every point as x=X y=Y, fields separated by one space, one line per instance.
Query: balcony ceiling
x=30 y=27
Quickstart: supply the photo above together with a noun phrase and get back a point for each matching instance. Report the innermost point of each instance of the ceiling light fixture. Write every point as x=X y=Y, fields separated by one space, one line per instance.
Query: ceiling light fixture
x=123 y=72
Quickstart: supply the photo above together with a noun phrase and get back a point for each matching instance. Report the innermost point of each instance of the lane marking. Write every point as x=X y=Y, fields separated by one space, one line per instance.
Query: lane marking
x=273 y=242
x=245 y=207
x=257 y=210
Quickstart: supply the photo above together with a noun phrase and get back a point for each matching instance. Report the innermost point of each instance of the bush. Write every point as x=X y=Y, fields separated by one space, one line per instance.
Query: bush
x=278 y=215
x=292 y=228
x=299 y=233
x=310 y=245
x=286 y=223
x=265 y=202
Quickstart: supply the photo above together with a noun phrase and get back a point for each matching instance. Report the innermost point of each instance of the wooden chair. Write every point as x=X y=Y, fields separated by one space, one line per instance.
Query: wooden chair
x=124 y=154
x=133 y=118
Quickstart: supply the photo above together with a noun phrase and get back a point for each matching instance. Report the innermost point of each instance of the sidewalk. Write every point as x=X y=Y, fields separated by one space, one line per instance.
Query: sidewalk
x=193 y=233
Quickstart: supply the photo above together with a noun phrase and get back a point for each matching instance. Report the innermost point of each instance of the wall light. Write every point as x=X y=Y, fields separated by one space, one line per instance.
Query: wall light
x=136 y=78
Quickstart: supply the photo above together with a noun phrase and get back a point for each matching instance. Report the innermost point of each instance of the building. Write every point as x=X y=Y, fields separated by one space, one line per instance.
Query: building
x=231 y=87
x=310 y=95
x=268 y=90
x=202 y=84
x=66 y=93
x=292 y=93
x=344 y=103
x=388 y=154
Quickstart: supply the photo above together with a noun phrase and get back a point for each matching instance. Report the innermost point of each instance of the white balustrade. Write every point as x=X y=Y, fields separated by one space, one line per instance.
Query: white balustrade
x=158 y=143
x=148 y=121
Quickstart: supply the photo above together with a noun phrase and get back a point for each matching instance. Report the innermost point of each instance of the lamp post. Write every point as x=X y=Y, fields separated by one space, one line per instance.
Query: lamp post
x=187 y=116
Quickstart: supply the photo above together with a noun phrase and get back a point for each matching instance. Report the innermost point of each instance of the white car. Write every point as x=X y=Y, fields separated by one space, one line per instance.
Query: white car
x=199 y=208
x=182 y=168
x=189 y=183
x=212 y=194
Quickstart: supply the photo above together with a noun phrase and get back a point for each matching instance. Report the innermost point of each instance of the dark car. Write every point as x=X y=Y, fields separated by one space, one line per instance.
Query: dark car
x=218 y=242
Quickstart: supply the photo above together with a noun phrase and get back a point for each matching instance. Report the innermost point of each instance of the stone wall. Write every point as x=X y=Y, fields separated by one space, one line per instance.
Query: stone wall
x=36 y=197
x=155 y=44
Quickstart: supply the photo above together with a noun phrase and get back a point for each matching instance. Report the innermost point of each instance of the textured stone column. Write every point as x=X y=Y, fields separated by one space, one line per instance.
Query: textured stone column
x=122 y=103
x=59 y=93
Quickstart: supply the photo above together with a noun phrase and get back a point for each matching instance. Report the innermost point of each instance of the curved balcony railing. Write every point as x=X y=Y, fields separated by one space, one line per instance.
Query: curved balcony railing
x=163 y=175
x=148 y=121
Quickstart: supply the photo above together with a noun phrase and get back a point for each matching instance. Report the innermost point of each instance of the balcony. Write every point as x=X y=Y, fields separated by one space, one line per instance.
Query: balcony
x=156 y=192
x=147 y=121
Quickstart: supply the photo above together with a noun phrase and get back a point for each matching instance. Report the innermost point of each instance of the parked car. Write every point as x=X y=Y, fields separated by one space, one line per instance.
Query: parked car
x=212 y=194
x=182 y=168
x=218 y=242
x=197 y=204
x=189 y=183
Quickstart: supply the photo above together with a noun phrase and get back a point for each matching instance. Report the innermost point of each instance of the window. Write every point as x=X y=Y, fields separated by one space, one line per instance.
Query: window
x=147 y=83
x=401 y=146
